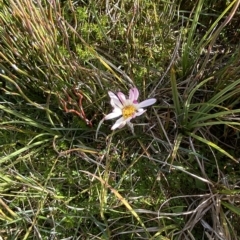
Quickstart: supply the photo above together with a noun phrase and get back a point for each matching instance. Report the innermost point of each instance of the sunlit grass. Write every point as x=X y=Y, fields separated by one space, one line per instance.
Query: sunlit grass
x=62 y=176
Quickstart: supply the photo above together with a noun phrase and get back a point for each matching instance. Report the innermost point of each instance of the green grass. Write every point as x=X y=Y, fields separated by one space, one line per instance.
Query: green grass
x=64 y=174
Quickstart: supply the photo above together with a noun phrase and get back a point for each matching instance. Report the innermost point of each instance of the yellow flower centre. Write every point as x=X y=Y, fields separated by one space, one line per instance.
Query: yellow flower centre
x=128 y=111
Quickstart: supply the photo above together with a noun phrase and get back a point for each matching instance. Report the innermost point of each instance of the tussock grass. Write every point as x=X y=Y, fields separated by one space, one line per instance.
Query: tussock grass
x=176 y=177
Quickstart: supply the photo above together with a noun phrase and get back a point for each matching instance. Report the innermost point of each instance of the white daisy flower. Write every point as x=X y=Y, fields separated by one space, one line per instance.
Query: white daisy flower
x=126 y=108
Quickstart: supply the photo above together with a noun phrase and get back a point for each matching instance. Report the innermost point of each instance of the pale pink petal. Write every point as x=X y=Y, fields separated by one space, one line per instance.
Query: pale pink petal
x=122 y=124
x=133 y=95
x=121 y=97
x=140 y=112
x=114 y=100
x=117 y=110
x=116 y=103
x=114 y=114
x=119 y=123
x=130 y=118
x=146 y=103
x=111 y=94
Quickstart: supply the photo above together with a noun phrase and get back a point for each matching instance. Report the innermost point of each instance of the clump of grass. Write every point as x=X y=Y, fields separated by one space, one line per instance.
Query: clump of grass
x=176 y=177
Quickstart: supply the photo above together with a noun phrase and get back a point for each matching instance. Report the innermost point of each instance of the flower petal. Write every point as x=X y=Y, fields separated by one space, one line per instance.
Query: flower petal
x=114 y=100
x=121 y=97
x=122 y=124
x=147 y=102
x=111 y=94
x=113 y=114
x=119 y=123
x=140 y=112
x=133 y=95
